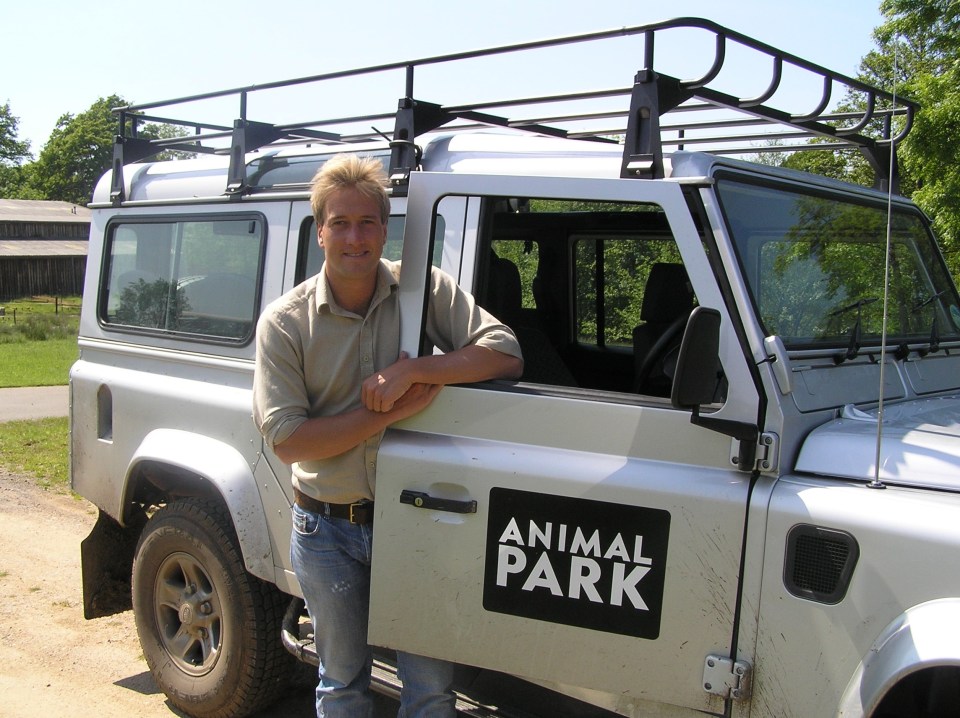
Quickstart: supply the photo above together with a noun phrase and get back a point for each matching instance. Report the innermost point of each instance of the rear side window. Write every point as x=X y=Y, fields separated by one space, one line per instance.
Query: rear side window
x=194 y=276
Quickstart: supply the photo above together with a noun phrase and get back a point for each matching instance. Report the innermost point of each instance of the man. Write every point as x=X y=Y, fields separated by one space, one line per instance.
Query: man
x=329 y=380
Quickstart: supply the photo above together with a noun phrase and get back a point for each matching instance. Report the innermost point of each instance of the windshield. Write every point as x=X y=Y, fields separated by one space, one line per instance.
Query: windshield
x=815 y=265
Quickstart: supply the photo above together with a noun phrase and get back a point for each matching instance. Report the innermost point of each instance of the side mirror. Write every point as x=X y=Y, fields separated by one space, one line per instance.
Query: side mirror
x=698 y=363
x=696 y=380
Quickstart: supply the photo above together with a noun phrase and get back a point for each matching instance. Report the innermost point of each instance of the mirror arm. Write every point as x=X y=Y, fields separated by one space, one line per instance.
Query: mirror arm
x=746 y=434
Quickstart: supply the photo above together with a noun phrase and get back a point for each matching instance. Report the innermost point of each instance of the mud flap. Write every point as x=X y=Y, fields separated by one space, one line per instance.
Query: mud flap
x=106 y=560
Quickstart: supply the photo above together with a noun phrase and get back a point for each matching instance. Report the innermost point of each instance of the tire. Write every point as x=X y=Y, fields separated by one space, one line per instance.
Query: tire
x=210 y=631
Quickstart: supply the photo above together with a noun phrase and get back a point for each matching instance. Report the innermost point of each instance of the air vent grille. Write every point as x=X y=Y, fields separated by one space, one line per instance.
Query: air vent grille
x=819 y=563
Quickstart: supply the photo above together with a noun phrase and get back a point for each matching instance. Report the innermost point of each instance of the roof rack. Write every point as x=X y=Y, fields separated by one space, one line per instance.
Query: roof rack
x=636 y=123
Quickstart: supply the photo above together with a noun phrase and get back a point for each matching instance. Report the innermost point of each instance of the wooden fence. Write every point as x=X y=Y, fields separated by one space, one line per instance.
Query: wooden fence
x=34 y=276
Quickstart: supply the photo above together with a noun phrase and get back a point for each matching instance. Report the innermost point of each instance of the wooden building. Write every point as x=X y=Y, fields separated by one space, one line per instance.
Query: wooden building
x=43 y=248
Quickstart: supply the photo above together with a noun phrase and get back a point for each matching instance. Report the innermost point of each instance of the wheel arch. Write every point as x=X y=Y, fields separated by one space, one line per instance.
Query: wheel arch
x=923 y=638
x=170 y=463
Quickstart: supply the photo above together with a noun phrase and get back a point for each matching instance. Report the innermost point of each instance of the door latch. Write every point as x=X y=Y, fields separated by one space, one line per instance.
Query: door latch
x=425 y=501
x=726 y=677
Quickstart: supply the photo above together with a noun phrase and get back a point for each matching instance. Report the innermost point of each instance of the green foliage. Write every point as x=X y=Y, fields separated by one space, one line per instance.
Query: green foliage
x=38 y=447
x=615 y=305
x=932 y=155
x=817 y=267
x=79 y=151
x=166 y=132
x=158 y=304
x=842 y=165
x=918 y=55
x=38 y=341
x=605 y=312
x=37 y=363
x=15 y=182
x=12 y=150
x=51 y=317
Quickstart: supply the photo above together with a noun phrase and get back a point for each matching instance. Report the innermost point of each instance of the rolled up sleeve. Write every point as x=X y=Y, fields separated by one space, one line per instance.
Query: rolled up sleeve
x=455 y=320
x=280 y=402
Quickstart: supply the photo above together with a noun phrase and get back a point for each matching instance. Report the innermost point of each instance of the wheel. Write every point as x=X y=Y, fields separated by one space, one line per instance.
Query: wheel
x=210 y=631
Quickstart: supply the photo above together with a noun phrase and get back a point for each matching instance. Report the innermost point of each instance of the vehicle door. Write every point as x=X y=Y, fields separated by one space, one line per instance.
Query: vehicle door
x=562 y=528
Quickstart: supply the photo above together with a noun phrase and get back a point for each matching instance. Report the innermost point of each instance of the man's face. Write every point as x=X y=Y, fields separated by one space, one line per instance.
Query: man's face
x=352 y=236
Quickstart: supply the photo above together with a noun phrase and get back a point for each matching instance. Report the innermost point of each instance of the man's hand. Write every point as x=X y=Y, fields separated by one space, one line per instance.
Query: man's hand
x=382 y=390
x=416 y=399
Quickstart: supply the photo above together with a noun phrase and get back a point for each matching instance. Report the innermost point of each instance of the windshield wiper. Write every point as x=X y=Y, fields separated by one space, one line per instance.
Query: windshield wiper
x=928 y=301
x=934 y=345
x=853 y=349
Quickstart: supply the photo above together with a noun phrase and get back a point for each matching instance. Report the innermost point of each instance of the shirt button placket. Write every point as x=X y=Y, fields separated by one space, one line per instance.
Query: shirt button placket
x=366 y=351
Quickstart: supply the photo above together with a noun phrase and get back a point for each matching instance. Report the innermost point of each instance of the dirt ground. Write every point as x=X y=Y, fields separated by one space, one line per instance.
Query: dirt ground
x=52 y=661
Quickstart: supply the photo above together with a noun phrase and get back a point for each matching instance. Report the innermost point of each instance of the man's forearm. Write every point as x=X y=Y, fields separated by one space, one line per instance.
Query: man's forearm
x=323 y=437
x=464 y=366
x=327 y=436
x=467 y=365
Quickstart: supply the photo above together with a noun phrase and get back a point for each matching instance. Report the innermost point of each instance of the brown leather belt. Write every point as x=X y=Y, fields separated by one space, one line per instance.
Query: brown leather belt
x=359 y=512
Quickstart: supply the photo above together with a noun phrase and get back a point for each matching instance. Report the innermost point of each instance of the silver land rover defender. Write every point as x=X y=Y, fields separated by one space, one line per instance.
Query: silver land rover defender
x=728 y=482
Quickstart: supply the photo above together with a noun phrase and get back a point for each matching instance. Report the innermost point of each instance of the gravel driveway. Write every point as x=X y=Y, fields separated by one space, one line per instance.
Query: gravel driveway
x=55 y=663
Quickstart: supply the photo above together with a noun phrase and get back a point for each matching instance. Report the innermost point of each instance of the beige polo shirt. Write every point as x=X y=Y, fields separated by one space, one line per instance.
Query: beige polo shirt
x=313 y=355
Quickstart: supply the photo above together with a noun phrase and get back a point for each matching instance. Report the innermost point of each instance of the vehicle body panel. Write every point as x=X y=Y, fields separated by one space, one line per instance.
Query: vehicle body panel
x=907 y=540
x=528 y=473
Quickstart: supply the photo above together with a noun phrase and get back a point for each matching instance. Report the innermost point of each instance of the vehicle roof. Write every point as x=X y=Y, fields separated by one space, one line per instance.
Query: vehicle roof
x=469 y=152
x=473 y=152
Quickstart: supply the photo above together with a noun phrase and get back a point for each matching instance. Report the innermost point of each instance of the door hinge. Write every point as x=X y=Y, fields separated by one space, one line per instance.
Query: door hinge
x=766 y=453
x=726 y=677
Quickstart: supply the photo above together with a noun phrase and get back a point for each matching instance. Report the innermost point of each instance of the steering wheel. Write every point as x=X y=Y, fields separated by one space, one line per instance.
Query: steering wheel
x=653 y=369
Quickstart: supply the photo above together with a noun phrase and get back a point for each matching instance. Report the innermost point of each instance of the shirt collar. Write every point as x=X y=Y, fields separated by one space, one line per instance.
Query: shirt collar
x=387 y=283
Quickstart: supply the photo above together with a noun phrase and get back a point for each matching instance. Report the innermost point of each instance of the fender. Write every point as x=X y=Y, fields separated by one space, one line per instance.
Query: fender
x=925 y=636
x=228 y=472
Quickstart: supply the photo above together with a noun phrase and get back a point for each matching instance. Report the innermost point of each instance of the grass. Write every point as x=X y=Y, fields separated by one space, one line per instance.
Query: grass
x=37 y=447
x=44 y=363
x=38 y=341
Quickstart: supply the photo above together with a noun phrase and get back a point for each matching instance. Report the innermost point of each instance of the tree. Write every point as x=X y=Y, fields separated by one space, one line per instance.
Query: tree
x=926 y=37
x=918 y=55
x=846 y=165
x=79 y=151
x=13 y=152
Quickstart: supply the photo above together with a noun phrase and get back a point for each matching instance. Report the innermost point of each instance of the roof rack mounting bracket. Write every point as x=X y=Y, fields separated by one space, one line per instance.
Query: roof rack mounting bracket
x=414 y=117
x=653 y=95
x=878 y=157
x=247 y=136
x=126 y=150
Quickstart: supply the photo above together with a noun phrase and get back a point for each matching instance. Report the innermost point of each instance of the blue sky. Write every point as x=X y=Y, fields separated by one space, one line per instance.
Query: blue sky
x=59 y=57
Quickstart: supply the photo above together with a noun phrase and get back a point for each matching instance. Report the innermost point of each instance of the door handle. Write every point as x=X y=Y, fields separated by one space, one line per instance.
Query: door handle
x=424 y=500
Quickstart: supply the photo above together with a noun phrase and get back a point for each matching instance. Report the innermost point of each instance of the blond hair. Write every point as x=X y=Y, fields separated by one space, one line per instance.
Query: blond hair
x=365 y=174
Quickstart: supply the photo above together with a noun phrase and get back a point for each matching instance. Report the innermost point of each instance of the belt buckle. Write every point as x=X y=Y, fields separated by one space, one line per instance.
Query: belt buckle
x=354 y=519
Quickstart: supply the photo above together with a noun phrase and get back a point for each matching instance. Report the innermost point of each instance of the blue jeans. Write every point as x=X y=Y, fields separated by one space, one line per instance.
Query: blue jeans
x=331 y=558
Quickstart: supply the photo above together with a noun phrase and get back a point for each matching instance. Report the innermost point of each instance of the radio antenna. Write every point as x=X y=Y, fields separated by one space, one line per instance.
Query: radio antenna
x=876 y=483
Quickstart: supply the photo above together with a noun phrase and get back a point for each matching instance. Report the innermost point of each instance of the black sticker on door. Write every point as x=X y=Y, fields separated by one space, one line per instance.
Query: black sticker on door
x=591 y=564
